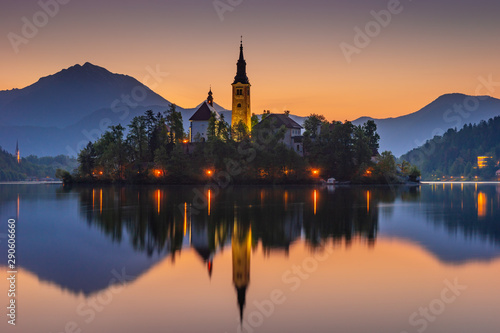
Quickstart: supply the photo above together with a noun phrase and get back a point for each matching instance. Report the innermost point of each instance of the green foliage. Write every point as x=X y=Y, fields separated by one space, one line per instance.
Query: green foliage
x=240 y=131
x=254 y=120
x=414 y=173
x=137 y=140
x=385 y=168
x=455 y=153
x=312 y=125
x=218 y=129
x=174 y=121
x=370 y=129
x=112 y=153
x=340 y=150
x=87 y=159
x=63 y=175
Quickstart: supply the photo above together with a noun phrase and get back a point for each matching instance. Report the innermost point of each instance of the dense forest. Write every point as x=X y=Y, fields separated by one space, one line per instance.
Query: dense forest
x=155 y=149
x=32 y=166
x=455 y=154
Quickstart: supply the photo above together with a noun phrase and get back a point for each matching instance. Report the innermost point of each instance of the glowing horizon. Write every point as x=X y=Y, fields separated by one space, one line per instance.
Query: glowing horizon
x=293 y=51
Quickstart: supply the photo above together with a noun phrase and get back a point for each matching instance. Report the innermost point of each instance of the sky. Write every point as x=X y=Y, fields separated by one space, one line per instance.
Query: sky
x=340 y=58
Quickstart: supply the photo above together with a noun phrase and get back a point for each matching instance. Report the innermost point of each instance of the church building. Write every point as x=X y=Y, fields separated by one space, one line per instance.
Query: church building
x=199 y=121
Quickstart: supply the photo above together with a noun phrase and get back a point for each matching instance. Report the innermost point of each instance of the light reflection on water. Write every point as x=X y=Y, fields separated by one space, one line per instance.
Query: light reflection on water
x=202 y=261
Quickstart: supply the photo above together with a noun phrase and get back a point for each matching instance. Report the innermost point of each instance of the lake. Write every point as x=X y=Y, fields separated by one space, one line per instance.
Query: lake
x=253 y=259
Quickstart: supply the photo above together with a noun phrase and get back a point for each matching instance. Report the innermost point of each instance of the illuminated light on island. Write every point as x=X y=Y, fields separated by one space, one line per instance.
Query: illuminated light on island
x=209 y=172
x=368 y=172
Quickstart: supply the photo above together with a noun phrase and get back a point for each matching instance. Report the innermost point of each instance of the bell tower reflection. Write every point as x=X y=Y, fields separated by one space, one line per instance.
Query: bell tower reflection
x=241 y=250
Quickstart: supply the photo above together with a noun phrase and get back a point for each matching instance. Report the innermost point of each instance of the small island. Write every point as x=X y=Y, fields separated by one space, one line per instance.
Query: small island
x=156 y=150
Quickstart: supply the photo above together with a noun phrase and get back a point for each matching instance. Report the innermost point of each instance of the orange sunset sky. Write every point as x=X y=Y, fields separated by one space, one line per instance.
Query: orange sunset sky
x=295 y=62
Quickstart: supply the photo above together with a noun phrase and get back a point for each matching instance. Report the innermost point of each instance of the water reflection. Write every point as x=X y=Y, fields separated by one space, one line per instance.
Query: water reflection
x=277 y=216
x=473 y=210
x=241 y=246
x=109 y=228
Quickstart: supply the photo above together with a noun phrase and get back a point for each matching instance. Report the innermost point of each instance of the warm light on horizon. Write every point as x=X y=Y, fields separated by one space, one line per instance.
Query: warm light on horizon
x=391 y=75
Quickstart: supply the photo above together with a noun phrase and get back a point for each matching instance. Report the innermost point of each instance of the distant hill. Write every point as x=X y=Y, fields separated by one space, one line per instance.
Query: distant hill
x=455 y=153
x=63 y=98
x=402 y=134
x=32 y=166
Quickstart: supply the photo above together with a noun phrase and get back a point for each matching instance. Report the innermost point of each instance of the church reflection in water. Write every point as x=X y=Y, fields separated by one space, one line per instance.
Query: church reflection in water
x=163 y=221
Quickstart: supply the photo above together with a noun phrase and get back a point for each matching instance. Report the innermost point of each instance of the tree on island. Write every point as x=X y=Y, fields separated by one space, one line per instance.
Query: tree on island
x=87 y=160
x=174 y=121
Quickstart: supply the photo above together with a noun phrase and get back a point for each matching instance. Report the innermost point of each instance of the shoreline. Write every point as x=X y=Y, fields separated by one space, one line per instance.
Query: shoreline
x=24 y=182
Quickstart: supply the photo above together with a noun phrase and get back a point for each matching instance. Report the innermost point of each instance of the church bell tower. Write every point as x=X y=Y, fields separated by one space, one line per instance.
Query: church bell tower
x=241 y=111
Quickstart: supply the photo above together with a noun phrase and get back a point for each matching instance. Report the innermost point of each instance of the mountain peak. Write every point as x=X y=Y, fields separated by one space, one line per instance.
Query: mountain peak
x=85 y=68
x=63 y=98
x=454 y=98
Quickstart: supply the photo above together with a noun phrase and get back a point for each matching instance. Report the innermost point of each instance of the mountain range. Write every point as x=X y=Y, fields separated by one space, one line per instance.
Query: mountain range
x=60 y=113
x=405 y=133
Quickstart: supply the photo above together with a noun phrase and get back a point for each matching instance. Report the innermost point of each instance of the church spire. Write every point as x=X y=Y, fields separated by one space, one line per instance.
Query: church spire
x=18 y=154
x=241 y=73
x=210 y=98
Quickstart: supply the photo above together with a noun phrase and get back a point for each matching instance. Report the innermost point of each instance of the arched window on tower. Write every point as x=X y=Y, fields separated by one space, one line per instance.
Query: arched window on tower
x=239 y=105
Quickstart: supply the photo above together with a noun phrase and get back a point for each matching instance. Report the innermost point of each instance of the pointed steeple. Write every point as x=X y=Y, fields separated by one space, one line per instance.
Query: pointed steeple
x=241 y=73
x=210 y=98
x=242 y=294
x=18 y=154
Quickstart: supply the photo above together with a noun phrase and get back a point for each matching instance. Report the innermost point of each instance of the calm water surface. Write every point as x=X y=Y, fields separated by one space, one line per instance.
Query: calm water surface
x=254 y=259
